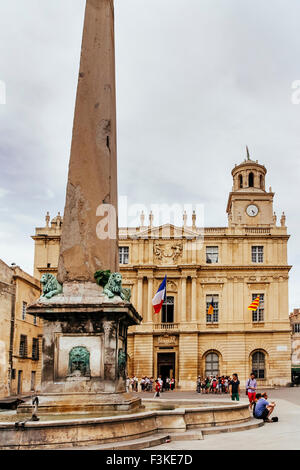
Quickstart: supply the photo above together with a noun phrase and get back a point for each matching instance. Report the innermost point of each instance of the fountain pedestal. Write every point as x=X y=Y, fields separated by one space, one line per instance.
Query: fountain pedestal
x=84 y=350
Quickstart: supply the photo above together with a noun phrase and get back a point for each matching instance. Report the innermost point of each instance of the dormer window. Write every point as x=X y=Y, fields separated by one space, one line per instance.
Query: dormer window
x=251 y=180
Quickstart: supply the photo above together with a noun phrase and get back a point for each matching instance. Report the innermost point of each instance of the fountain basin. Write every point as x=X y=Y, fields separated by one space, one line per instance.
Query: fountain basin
x=188 y=414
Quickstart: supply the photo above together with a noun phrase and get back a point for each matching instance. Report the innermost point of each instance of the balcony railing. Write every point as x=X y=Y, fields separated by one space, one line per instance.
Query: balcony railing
x=258 y=230
x=166 y=326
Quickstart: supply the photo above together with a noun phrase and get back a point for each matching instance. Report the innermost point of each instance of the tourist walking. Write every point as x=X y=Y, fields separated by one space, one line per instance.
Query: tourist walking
x=207 y=385
x=161 y=383
x=172 y=383
x=157 y=389
x=251 y=387
x=234 y=388
x=168 y=381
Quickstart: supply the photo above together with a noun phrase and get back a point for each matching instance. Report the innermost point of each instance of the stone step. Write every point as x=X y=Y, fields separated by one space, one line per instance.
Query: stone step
x=251 y=424
x=159 y=439
x=187 y=436
x=136 y=444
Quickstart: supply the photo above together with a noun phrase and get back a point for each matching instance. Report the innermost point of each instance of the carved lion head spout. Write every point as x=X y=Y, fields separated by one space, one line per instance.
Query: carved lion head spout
x=50 y=286
x=79 y=361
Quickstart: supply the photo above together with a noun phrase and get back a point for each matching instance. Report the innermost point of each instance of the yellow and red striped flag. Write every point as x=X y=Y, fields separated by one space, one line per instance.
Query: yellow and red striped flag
x=210 y=310
x=255 y=304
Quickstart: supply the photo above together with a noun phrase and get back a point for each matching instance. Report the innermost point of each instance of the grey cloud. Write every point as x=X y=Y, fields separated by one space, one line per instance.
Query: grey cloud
x=197 y=80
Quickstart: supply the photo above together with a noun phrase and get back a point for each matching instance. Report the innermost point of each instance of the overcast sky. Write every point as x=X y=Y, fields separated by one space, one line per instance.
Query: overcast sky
x=197 y=81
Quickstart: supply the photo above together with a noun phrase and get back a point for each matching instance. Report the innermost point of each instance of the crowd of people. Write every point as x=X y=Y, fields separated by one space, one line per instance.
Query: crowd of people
x=258 y=402
x=213 y=384
x=148 y=384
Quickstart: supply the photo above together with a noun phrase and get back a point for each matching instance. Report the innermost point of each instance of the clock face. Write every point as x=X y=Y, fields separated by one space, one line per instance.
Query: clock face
x=252 y=210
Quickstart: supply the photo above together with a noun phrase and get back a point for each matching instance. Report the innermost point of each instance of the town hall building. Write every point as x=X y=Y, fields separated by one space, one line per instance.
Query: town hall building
x=229 y=267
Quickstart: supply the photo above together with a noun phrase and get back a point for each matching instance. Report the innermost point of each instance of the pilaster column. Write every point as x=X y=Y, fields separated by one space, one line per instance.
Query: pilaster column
x=194 y=251
x=140 y=295
x=194 y=299
x=183 y=299
x=150 y=296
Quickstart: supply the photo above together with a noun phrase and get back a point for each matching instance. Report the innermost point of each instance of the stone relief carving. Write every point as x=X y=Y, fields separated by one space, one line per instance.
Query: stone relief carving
x=171 y=286
x=167 y=340
x=168 y=253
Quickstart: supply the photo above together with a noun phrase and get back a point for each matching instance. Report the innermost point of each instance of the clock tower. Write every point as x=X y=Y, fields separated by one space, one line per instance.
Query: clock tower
x=249 y=204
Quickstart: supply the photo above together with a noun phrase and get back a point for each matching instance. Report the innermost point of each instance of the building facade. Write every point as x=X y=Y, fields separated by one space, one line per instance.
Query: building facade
x=20 y=333
x=226 y=266
x=295 y=331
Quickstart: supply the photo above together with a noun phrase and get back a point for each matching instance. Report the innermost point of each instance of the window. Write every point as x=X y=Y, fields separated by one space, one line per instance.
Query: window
x=23 y=346
x=257 y=254
x=212 y=364
x=33 y=376
x=35 y=349
x=258 y=364
x=24 y=308
x=261 y=181
x=241 y=181
x=258 y=315
x=123 y=254
x=167 y=311
x=212 y=318
x=296 y=328
x=251 y=180
x=13 y=374
x=212 y=254
x=34 y=319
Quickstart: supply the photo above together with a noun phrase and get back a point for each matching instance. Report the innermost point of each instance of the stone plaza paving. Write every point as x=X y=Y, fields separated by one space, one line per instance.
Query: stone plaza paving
x=284 y=435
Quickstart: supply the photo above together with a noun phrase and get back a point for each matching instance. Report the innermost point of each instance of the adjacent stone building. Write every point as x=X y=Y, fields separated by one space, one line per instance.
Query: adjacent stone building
x=295 y=330
x=229 y=266
x=20 y=333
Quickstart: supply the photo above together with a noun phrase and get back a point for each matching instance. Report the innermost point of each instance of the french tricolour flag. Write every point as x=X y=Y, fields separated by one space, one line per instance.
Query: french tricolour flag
x=160 y=296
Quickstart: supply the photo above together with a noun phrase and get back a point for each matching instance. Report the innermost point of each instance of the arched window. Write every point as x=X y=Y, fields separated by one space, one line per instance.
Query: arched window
x=212 y=364
x=251 y=180
x=261 y=179
x=241 y=181
x=258 y=364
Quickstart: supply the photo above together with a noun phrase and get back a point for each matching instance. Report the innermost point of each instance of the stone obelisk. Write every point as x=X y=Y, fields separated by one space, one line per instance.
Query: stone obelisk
x=92 y=181
x=85 y=326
